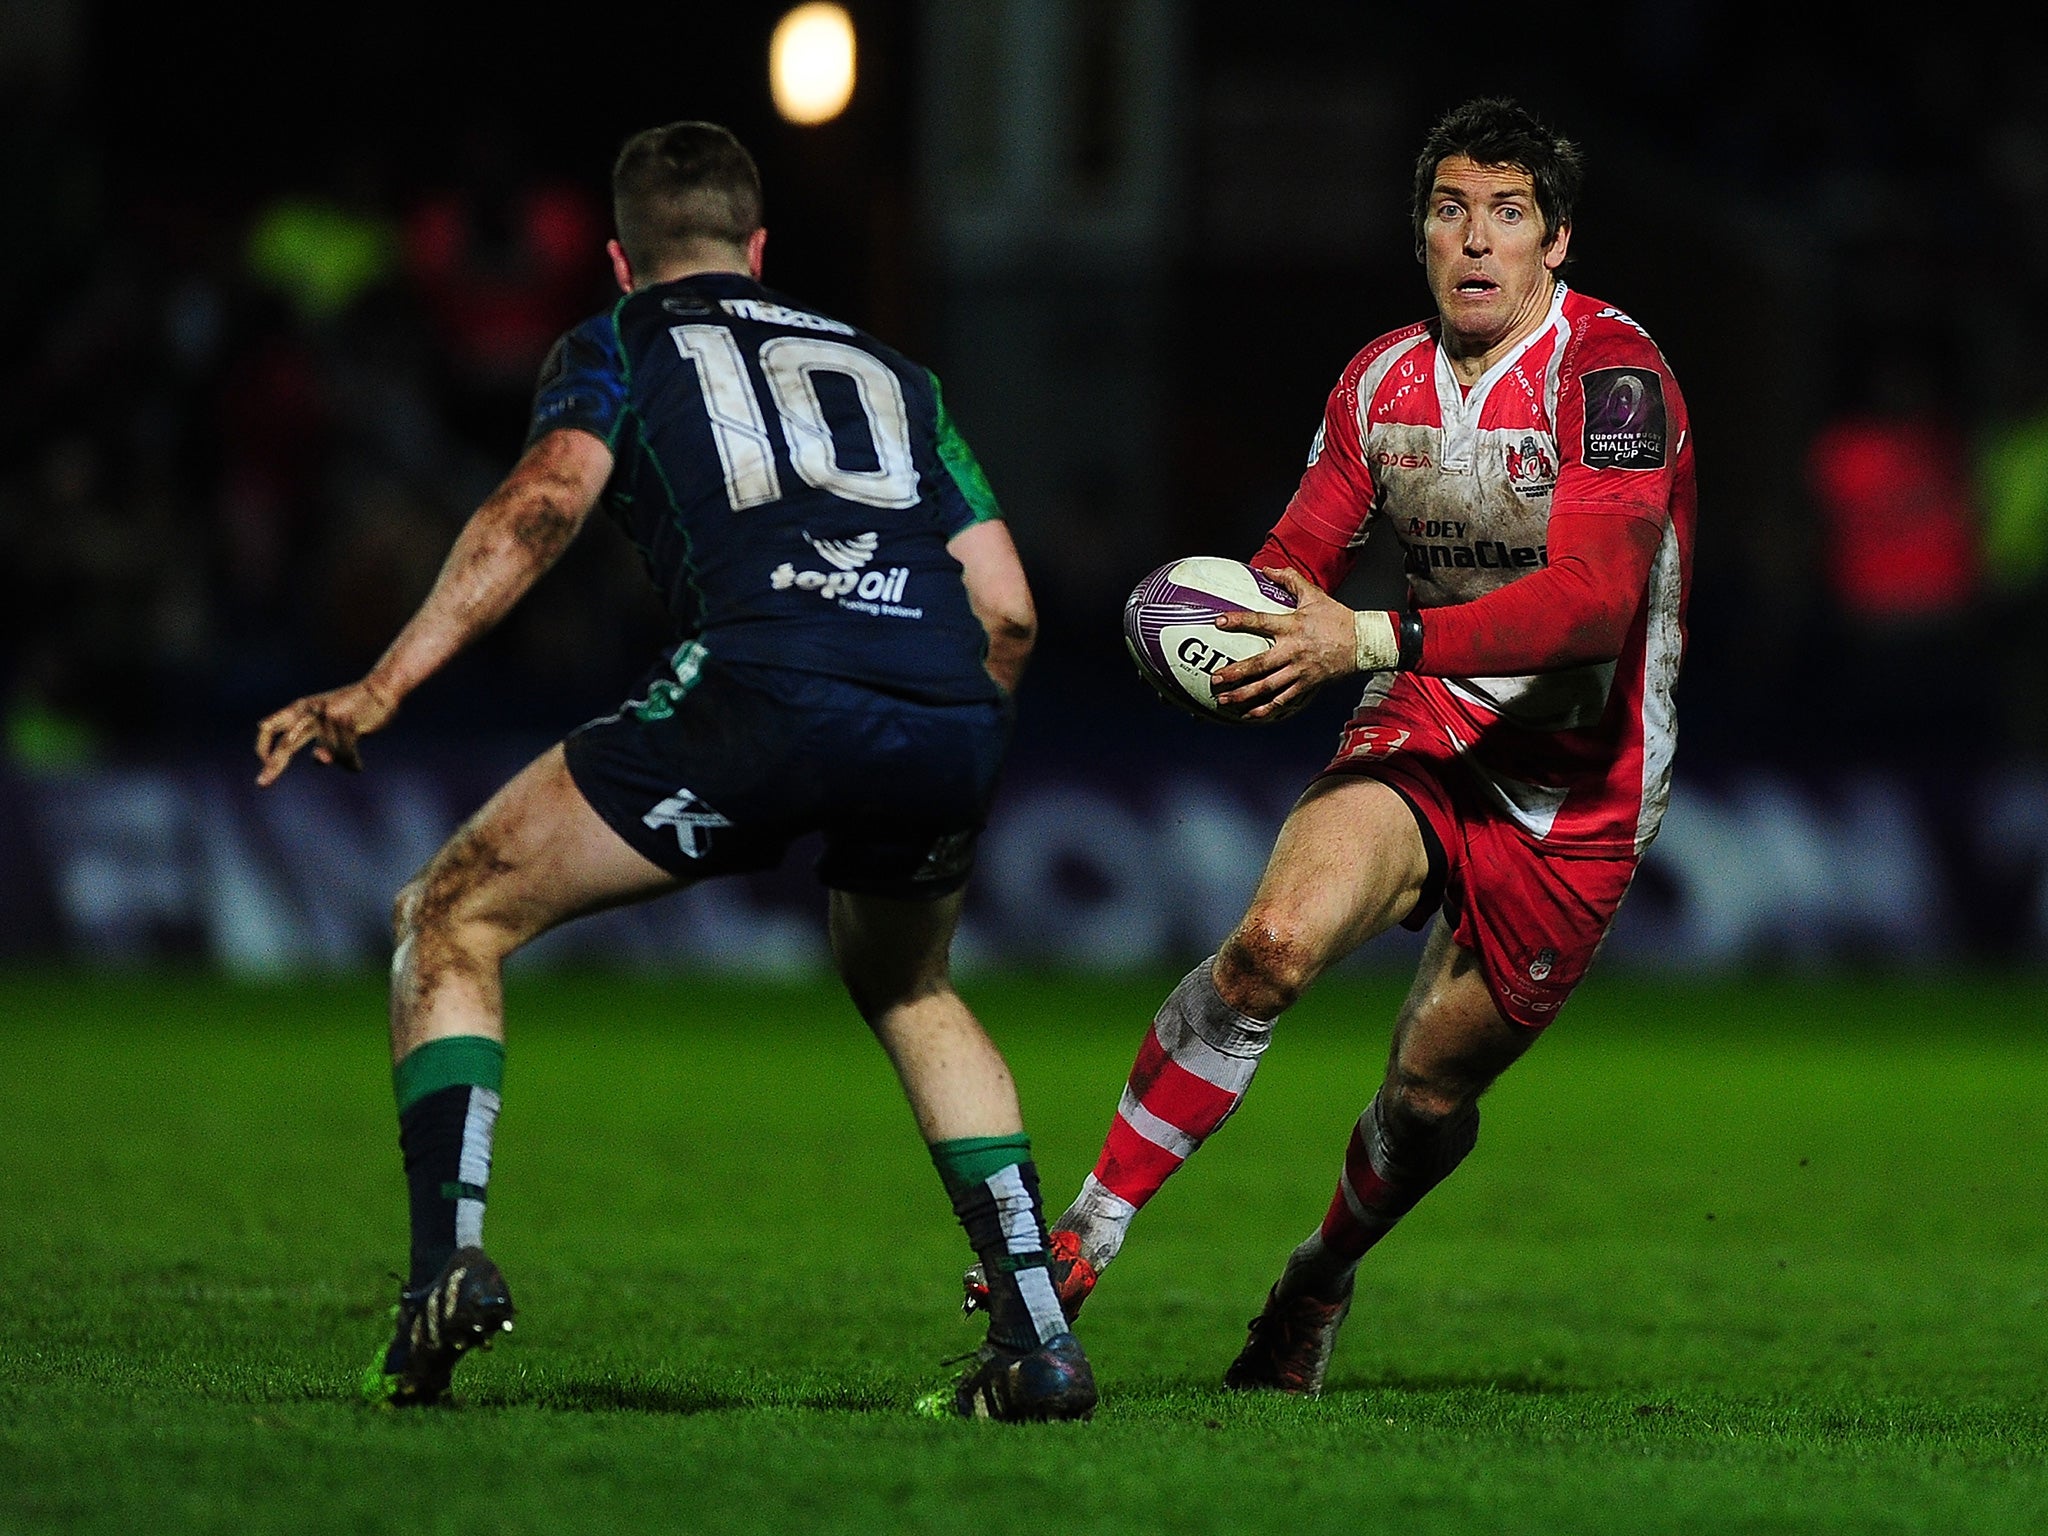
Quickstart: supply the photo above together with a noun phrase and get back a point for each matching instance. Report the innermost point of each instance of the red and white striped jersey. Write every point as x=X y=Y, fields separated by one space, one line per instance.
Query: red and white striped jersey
x=1583 y=416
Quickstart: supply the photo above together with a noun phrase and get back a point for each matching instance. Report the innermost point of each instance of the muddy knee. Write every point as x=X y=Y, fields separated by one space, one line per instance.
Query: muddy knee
x=452 y=904
x=427 y=907
x=1265 y=966
x=405 y=909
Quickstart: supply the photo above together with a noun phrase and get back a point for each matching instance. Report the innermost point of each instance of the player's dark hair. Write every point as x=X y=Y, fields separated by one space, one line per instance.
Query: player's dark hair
x=680 y=188
x=1493 y=130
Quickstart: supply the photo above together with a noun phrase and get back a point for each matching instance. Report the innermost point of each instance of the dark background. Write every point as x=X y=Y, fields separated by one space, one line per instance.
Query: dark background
x=214 y=495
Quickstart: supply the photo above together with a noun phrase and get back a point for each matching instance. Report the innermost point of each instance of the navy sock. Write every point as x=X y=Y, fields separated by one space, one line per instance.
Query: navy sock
x=994 y=1187
x=448 y=1111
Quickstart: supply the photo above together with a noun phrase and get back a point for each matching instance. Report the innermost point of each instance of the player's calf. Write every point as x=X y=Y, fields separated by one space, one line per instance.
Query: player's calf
x=1192 y=1072
x=1392 y=1160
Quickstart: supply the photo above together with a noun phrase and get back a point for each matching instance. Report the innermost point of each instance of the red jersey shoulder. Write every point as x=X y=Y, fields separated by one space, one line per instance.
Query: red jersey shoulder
x=1379 y=346
x=1377 y=349
x=1341 y=413
x=1603 y=335
x=1616 y=395
x=1402 y=379
x=1337 y=491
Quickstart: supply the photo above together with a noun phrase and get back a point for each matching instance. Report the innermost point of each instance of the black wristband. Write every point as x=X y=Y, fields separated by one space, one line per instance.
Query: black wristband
x=1408 y=640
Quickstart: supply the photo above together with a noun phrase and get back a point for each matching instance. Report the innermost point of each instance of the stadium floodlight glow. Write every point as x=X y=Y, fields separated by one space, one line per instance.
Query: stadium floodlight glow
x=810 y=64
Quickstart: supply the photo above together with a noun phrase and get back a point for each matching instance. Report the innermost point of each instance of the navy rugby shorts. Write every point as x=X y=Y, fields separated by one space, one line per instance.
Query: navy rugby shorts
x=717 y=768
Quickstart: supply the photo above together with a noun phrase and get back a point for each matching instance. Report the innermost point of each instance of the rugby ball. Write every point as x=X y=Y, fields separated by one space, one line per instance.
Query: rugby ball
x=1170 y=627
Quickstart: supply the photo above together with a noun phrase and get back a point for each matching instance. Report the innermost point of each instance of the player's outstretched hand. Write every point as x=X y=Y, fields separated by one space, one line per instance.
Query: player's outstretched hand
x=1312 y=644
x=332 y=723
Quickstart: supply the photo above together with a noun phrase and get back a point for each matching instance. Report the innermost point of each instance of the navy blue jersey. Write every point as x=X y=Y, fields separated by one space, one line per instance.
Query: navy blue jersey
x=790 y=482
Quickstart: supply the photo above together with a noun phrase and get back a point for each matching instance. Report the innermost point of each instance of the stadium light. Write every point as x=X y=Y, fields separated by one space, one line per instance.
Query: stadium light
x=810 y=64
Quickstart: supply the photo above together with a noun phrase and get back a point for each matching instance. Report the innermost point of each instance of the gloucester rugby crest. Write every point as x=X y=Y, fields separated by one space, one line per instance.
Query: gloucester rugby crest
x=1531 y=469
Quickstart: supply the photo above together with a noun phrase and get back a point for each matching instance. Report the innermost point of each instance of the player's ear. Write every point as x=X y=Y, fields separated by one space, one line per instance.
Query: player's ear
x=1553 y=255
x=756 y=243
x=622 y=269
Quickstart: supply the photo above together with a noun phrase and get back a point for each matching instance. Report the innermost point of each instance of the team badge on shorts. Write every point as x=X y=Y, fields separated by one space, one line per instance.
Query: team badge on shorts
x=692 y=819
x=1539 y=968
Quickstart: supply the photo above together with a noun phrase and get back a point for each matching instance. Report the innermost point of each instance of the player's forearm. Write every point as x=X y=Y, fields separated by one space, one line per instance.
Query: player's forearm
x=1010 y=641
x=507 y=545
x=1576 y=610
x=1011 y=622
x=1548 y=620
x=1000 y=595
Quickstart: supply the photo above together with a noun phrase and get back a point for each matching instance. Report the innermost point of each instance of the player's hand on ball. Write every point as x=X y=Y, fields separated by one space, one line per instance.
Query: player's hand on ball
x=332 y=723
x=1312 y=645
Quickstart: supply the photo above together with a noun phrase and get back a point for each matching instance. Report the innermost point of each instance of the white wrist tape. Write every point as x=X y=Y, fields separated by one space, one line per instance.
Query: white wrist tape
x=1376 y=640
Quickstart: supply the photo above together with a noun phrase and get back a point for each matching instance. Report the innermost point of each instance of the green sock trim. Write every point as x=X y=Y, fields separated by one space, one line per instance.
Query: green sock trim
x=971 y=1160
x=476 y=1061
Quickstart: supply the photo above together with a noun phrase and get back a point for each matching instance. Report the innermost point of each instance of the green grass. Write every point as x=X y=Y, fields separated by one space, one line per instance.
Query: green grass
x=1769 y=1257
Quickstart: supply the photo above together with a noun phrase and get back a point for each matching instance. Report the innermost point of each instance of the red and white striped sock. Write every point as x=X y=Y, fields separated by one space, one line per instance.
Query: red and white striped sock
x=1192 y=1071
x=1375 y=1189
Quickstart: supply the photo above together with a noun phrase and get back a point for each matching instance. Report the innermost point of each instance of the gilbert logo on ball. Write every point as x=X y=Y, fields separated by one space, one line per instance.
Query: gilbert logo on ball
x=1170 y=627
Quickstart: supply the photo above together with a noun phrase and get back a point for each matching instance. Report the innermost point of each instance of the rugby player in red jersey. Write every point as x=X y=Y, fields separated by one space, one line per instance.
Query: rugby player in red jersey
x=1510 y=758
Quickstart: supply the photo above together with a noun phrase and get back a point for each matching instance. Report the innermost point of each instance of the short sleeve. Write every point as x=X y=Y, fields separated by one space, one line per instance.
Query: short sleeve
x=965 y=498
x=582 y=383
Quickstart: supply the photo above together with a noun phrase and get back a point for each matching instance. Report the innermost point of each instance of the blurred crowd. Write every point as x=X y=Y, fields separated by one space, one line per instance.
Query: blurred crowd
x=244 y=435
x=241 y=433
x=1883 y=512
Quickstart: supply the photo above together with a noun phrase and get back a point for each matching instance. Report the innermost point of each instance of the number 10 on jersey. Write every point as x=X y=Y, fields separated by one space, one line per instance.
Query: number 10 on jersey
x=790 y=364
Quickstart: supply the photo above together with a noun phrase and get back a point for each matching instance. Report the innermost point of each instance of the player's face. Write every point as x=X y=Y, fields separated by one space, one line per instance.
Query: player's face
x=1482 y=245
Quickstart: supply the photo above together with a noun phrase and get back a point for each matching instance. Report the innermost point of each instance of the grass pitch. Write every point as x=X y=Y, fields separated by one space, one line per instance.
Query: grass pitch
x=1729 y=1258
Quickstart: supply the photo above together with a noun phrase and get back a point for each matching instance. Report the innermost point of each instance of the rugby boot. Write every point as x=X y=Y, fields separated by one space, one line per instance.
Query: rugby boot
x=1073 y=1277
x=465 y=1307
x=1053 y=1381
x=1289 y=1344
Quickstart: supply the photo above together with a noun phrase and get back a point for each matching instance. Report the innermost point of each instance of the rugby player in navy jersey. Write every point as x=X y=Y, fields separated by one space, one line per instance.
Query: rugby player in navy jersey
x=851 y=620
